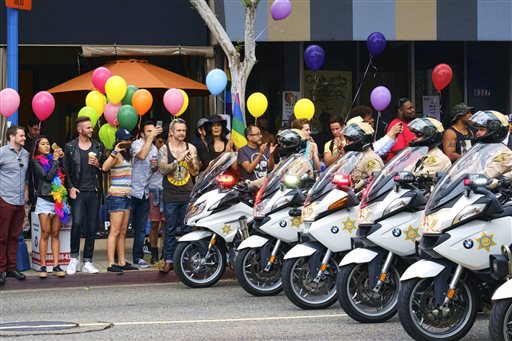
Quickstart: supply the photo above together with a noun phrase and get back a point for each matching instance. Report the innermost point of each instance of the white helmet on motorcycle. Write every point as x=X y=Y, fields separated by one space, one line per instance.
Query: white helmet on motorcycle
x=428 y=131
x=494 y=122
x=359 y=135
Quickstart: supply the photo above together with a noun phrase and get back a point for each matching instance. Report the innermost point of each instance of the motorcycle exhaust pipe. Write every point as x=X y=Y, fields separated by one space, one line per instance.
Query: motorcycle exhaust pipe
x=244 y=229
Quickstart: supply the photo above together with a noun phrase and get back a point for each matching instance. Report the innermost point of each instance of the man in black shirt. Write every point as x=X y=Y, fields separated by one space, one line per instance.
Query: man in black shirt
x=83 y=158
x=256 y=158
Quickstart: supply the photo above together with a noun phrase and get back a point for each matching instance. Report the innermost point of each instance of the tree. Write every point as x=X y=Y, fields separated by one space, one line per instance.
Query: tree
x=240 y=70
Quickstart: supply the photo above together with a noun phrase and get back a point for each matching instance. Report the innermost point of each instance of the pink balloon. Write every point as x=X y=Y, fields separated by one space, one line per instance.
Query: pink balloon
x=173 y=100
x=9 y=102
x=100 y=77
x=43 y=105
x=110 y=113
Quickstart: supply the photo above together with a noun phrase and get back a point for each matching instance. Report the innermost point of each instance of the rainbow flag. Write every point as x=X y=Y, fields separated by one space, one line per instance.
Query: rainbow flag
x=238 y=125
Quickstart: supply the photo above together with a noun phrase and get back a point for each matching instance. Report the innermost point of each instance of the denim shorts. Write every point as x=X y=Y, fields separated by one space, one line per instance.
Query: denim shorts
x=45 y=207
x=115 y=204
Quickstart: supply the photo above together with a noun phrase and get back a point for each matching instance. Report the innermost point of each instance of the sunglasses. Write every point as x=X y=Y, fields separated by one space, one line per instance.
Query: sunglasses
x=20 y=161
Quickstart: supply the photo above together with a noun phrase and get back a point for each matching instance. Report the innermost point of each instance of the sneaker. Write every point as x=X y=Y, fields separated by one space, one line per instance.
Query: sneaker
x=42 y=273
x=128 y=267
x=73 y=266
x=57 y=271
x=88 y=267
x=115 y=269
x=142 y=264
x=147 y=247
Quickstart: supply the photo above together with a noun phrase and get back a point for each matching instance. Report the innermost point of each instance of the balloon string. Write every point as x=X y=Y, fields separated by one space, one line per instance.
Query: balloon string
x=262 y=31
x=364 y=76
x=376 y=127
x=315 y=82
x=441 y=114
x=138 y=125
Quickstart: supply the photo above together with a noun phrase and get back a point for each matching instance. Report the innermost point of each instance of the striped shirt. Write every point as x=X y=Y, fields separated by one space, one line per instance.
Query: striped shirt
x=120 y=179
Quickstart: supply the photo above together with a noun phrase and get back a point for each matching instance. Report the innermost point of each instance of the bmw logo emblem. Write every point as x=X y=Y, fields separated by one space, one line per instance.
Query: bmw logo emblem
x=397 y=232
x=283 y=223
x=335 y=229
x=468 y=243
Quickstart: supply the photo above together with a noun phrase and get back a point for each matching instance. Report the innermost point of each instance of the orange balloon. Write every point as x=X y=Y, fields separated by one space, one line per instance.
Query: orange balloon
x=142 y=101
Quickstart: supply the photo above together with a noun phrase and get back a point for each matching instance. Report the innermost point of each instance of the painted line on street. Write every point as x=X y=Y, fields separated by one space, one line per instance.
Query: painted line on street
x=245 y=319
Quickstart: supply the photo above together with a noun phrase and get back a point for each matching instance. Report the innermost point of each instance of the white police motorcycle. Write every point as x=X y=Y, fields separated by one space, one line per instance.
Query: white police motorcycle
x=260 y=257
x=464 y=223
x=219 y=215
x=389 y=218
x=310 y=268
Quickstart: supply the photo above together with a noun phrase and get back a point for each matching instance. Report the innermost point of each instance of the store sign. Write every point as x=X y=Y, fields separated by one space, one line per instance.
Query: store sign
x=432 y=107
x=19 y=4
x=289 y=100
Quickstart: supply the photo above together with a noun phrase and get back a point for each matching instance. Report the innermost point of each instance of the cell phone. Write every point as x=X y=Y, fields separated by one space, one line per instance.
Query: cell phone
x=125 y=145
x=55 y=146
x=159 y=124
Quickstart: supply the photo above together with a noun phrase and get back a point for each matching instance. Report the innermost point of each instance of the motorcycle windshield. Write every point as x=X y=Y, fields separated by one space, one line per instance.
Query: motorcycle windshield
x=406 y=160
x=344 y=166
x=476 y=161
x=296 y=165
x=207 y=178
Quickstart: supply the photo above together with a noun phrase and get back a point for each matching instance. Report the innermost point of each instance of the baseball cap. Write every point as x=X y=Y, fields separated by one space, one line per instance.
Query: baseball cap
x=201 y=122
x=459 y=110
x=123 y=134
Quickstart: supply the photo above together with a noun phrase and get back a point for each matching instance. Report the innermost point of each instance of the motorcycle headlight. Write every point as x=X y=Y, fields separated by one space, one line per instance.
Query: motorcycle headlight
x=309 y=212
x=282 y=201
x=431 y=223
x=468 y=212
x=367 y=214
x=397 y=204
x=194 y=209
x=261 y=209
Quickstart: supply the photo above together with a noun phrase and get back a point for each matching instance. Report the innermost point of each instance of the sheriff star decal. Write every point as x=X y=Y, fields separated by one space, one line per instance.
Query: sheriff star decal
x=412 y=233
x=349 y=225
x=226 y=229
x=296 y=222
x=485 y=241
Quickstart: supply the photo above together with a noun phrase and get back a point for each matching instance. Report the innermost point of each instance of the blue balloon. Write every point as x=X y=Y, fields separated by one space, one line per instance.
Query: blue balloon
x=216 y=81
x=376 y=43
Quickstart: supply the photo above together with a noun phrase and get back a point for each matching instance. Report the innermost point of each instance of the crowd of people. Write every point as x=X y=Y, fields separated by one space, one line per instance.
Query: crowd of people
x=151 y=177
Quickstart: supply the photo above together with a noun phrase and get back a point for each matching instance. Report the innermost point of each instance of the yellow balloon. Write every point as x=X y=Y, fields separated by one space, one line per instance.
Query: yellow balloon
x=185 y=104
x=304 y=108
x=257 y=104
x=115 y=87
x=96 y=100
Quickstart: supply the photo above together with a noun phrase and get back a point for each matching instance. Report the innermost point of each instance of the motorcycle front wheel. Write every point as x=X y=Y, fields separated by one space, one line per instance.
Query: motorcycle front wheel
x=360 y=301
x=302 y=290
x=423 y=319
x=197 y=271
x=252 y=275
x=500 y=321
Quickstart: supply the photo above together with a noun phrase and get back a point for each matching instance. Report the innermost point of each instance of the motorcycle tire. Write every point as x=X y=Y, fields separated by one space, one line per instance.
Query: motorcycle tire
x=192 y=275
x=500 y=321
x=346 y=281
x=249 y=271
x=287 y=276
x=408 y=317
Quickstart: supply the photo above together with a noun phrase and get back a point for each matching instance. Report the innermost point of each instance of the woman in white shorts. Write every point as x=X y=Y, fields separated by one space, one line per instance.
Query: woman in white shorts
x=51 y=206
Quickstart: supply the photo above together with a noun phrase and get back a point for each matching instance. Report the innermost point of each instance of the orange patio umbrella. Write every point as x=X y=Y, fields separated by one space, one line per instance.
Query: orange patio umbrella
x=140 y=73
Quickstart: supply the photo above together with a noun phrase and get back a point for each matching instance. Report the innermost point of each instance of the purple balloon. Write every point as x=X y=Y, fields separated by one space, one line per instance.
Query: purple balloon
x=280 y=9
x=314 y=57
x=376 y=43
x=380 y=98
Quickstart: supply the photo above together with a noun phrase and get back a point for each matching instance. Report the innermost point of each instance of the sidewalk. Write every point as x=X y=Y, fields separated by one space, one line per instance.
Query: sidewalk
x=142 y=276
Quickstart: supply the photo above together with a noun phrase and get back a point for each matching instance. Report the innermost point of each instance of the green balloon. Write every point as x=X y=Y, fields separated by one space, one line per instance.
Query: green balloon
x=130 y=90
x=107 y=135
x=127 y=117
x=91 y=113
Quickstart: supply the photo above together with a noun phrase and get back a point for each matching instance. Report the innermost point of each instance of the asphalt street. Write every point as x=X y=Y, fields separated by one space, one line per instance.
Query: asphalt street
x=172 y=311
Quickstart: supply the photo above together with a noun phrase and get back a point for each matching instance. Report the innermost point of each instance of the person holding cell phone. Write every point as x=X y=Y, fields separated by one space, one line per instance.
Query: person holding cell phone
x=145 y=162
x=119 y=166
x=52 y=206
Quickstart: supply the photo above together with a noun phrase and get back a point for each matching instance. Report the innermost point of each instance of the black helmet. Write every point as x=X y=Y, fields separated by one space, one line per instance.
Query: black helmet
x=495 y=123
x=290 y=141
x=429 y=132
x=359 y=134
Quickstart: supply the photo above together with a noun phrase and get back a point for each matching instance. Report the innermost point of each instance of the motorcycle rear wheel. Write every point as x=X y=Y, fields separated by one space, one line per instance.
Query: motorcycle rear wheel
x=252 y=276
x=195 y=271
x=500 y=321
x=422 y=318
x=302 y=291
